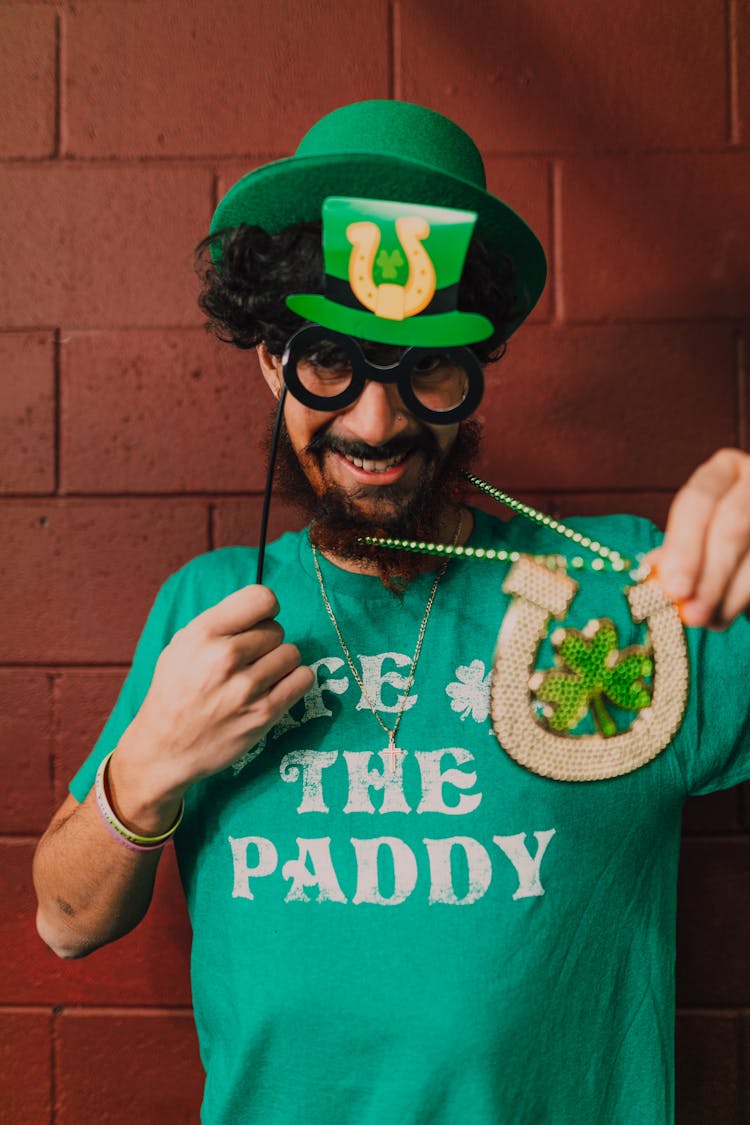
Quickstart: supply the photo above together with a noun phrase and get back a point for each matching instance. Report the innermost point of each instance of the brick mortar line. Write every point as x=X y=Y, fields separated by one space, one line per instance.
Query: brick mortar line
x=733 y=105
x=740 y=1054
x=206 y=161
x=743 y=406
x=41 y=1009
x=211 y=525
x=555 y=185
x=55 y=732
x=94 y=329
x=58 y=64
x=395 y=84
x=53 y=1066
x=59 y=667
x=606 y=154
x=62 y=105
x=722 y=835
x=739 y=838
x=210 y=159
x=711 y=1010
x=184 y=497
x=121 y=1010
x=605 y=321
x=614 y=491
x=57 y=408
x=214 y=497
x=743 y=1078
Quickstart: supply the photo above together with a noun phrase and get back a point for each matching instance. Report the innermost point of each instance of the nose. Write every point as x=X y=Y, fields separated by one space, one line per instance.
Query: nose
x=378 y=414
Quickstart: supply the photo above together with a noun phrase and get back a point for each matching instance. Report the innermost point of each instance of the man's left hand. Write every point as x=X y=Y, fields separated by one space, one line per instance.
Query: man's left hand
x=704 y=562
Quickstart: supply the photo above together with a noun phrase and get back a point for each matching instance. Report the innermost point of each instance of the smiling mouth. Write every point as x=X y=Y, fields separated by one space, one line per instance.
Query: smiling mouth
x=372 y=466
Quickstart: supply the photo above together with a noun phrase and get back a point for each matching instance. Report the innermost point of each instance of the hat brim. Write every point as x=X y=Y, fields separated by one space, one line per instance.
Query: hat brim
x=441 y=330
x=293 y=190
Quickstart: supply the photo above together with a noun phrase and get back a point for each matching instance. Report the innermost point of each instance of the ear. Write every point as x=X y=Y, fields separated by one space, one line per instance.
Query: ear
x=270 y=366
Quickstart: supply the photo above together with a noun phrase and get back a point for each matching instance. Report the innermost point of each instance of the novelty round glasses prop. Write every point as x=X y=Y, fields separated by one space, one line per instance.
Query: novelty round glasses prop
x=327 y=370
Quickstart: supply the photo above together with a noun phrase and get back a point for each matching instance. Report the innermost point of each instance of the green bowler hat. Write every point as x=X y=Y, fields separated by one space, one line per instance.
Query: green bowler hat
x=392 y=272
x=388 y=150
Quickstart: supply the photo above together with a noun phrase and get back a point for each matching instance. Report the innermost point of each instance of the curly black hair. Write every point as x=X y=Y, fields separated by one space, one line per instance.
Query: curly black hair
x=243 y=295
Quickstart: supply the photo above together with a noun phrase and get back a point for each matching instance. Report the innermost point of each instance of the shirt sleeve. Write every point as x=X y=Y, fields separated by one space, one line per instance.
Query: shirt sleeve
x=716 y=750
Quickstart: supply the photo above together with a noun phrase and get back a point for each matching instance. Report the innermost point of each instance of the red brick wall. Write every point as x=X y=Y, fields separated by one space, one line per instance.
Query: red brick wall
x=129 y=438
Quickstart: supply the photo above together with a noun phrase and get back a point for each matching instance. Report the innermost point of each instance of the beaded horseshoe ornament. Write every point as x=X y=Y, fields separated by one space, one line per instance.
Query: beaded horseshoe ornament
x=535 y=712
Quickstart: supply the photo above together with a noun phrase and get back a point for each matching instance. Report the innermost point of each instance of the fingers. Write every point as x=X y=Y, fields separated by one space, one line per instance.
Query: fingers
x=239 y=629
x=238 y=612
x=736 y=596
x=702 y=562
x=292 y=687
x=259 y=717
x=726 y=545
x=272 y=685
x=245 y=648
x=263 y=675
x=687 y=525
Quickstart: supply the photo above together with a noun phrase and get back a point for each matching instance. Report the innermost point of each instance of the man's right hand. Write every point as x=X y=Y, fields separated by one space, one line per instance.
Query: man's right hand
x=218 y=686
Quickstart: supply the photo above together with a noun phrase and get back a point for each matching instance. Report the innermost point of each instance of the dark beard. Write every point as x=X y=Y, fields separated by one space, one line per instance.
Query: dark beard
x=337 y=524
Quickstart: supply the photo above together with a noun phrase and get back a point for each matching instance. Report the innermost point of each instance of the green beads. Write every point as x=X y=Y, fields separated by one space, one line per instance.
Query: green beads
x=606 y=556
x=548 y=521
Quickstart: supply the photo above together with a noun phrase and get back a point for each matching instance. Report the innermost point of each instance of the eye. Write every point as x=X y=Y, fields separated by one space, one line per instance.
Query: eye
x=439 y=381
x=327 y=357
x=324 y=368
x=427 y=363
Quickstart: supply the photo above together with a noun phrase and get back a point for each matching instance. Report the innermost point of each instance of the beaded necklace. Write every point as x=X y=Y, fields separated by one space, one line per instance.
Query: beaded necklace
x=605 y=556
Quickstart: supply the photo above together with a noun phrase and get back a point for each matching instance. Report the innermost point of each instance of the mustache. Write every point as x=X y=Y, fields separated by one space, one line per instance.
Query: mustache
x=397 y=446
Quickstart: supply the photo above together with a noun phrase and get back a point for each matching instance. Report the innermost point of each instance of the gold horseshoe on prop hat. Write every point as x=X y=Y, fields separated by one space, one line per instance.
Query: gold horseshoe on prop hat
x=538 y=594
x=393 y=302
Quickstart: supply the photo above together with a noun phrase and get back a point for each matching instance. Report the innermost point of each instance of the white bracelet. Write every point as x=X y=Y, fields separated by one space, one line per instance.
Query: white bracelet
x=124 y=834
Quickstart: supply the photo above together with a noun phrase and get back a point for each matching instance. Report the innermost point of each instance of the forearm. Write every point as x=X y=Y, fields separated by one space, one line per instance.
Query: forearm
x=91 y=886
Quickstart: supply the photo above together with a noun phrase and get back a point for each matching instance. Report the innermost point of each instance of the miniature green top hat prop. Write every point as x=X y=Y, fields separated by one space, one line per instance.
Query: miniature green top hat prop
x=388 y=150
x=392 y=272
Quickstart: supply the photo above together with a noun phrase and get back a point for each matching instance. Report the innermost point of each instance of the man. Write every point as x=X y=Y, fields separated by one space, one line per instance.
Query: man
x=405 y=910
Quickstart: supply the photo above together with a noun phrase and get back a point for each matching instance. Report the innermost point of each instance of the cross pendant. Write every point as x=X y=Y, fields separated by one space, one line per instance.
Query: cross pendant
x=392 y=749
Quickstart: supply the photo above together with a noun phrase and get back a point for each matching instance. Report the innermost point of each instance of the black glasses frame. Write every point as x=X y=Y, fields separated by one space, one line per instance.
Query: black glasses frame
x=399 y=373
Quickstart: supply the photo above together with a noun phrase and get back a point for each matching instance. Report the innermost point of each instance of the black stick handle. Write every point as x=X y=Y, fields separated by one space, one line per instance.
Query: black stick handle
x=269 y=485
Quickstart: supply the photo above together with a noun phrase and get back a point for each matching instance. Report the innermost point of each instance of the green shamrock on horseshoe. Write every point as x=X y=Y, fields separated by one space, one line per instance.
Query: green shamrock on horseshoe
x=589 y=669
x=390 y=263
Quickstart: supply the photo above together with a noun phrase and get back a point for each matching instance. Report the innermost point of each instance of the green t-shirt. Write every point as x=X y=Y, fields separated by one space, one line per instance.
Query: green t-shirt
x=450 y=938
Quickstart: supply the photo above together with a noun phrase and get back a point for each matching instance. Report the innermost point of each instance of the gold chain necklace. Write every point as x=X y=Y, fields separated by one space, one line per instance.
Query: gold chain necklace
x=392 y=749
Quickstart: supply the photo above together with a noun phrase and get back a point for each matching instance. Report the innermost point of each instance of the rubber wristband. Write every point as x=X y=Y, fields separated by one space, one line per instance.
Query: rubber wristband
x=115 y=825
x=127 y=843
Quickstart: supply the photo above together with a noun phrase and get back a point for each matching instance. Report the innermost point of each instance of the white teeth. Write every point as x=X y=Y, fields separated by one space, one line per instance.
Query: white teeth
x=375 y=466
